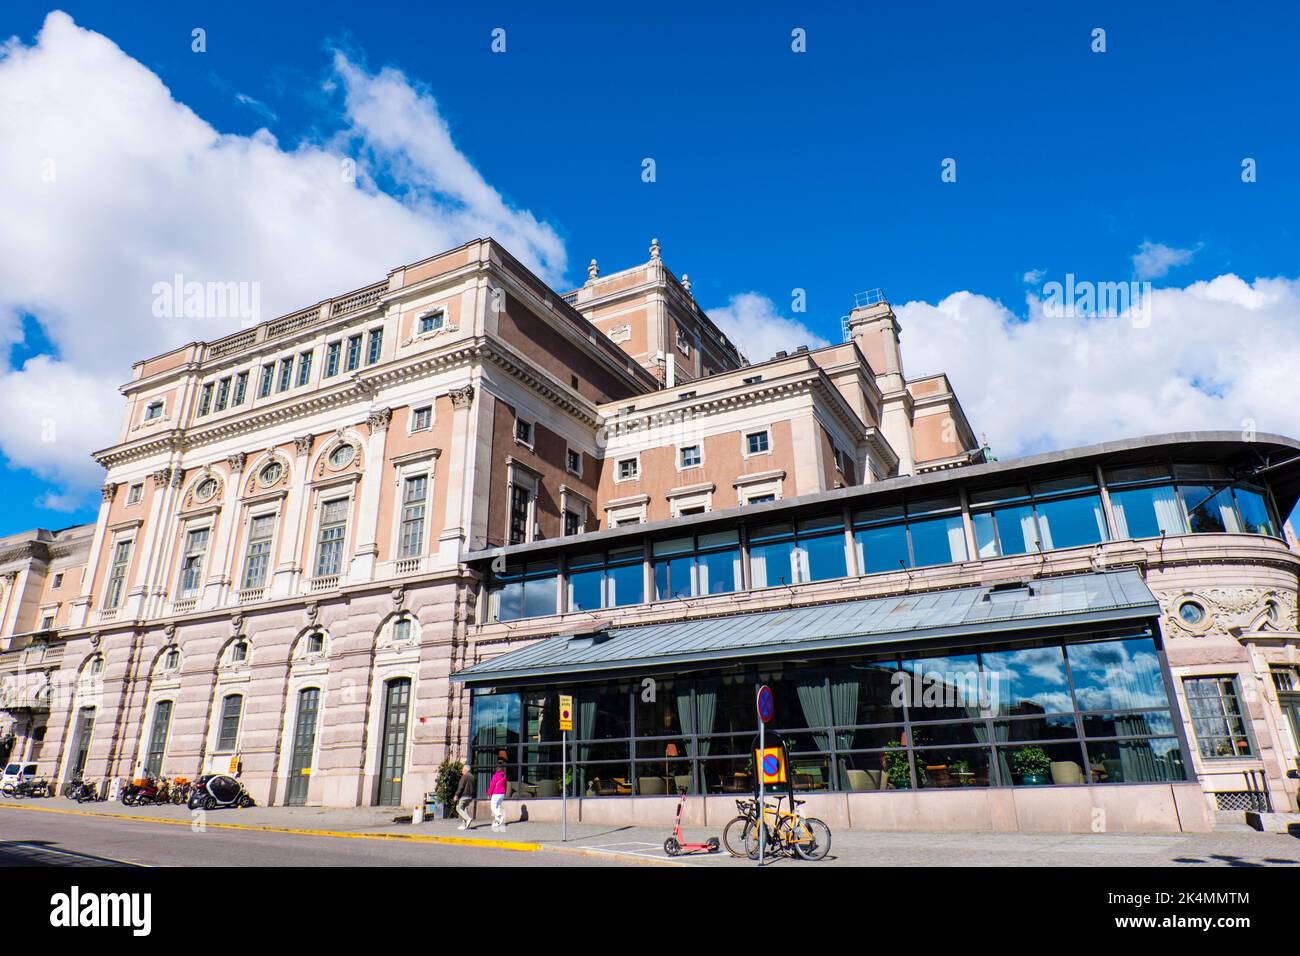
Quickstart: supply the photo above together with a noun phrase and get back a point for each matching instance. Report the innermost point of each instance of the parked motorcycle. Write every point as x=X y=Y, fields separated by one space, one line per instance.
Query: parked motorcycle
x=180 y=791
x=215 y=790
x=29 y=788
x=143 y=791
x=83 y=791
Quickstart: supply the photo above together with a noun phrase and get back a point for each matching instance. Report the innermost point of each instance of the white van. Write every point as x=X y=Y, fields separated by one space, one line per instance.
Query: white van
x=16 y=773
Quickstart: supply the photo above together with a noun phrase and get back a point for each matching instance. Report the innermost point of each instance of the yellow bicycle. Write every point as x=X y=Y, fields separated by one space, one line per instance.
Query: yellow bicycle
x=789 y=832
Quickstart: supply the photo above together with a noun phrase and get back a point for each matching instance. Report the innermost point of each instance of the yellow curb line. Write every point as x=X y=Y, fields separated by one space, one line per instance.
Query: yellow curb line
x=298 y=831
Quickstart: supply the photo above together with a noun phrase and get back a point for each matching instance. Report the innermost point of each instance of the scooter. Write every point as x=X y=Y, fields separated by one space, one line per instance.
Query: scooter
x=674 y=846
x=143 y=791
x=215 y=790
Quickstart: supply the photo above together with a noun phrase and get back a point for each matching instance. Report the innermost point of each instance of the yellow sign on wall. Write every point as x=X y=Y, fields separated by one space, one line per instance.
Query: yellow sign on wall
x=566 y=712
x=771 y=764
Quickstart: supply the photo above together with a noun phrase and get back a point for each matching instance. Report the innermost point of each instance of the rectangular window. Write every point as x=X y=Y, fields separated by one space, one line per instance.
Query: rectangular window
x=415 y=491
x=573 y=460
x=521 y=509
x=921 y=534
x=228 y=728
x=304 y=367
x=117 y=574
x=628 y=468
x=353 y=360
x=223 y=394
x=523 y=432
x=757 y=443
x=690 y=456
x=58 y=580
x=268 y=379
x=329 y=542
x=257 y=557
x=374 y=346
x=196 y=546
x=134 y=494
x=572 y=522
x=154 y=410
x=333 y=352
x=1054 y=515
x=422 y=419
x=241 y=389
x=1217 y=717
x=205 y=400
x=286 y=374
x=431 y=322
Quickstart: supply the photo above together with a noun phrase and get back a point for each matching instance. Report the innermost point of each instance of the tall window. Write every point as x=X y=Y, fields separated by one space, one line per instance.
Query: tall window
x=332 y=355
x=354 y=354
x=268 y=379
x=286 y=374
x=232 y=708
x=241 y=389
x=521 y=510
x=329 y=545
x=374 y=346
x=304 y=368
x=414 y=492
x=257 y=558
x=117 y=574
x=1217 y=718
x=223 y=394
x=205 y=399
x=162 y=718
x=196 y=546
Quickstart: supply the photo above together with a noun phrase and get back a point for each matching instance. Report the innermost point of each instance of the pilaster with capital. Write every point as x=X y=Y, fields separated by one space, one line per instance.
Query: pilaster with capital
x=363 y=564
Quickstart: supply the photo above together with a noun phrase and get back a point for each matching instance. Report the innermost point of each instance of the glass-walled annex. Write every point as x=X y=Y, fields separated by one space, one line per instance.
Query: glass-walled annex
x=1092 y=709
x=1146 y=501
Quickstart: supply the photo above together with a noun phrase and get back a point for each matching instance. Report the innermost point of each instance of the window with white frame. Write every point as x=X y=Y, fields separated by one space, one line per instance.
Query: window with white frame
x=415 y=492
x=402 y=630
x=257 y=556
x=422 y=418
x=232 y=709
x=692 y=504
x=153 y=410
x=241 y=389
x=628 y=469
x=304 y=367
x=353 y=359
x=690 y=456
x=333 y=354
x=223 y=394
x=374 y=346
x=330 y=537
x=117 y=573
x=573 y=460
x=683 y=342
x=205 y=399
x=196 y=548
x=286 y=375
x=135 y=493
x=523 y=502
x=267 y=380
x=524 y=432
x=758 y=443
x=432 y=321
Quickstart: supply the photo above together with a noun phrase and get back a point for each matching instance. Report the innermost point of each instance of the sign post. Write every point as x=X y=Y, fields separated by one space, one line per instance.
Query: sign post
x=566 y=724
x=766 y=707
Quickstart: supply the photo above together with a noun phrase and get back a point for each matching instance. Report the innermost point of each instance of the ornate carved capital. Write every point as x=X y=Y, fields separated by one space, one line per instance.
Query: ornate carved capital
x=178 y=477
x=108 y=491
x=161 y=477
x=236 y=461
x=462 y=397
x=379 y=418
x=302 y=444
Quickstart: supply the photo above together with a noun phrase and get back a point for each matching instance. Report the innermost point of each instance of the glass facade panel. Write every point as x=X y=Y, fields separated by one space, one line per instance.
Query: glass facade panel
x=1072 y=522
x=1147 y=512
x=1136 y=761
x=938 y=541
x=1117 y=675
x=882 y=549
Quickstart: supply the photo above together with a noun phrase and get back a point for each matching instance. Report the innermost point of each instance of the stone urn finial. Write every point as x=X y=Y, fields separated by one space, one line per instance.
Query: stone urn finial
x=686 y=282
x=593 y=271
x=654 y=250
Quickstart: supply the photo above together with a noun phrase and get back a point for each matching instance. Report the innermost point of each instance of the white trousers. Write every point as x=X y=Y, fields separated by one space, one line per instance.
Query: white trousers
x=498 y=810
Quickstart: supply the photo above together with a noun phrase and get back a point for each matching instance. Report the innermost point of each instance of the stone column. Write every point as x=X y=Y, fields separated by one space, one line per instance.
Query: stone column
x=291 y=530
x=457 y=473
x=81 y=605
x=221 y=545
x=367 y=550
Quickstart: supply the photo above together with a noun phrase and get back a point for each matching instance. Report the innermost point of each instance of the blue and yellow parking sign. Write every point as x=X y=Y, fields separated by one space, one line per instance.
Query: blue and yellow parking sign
x=771 y=764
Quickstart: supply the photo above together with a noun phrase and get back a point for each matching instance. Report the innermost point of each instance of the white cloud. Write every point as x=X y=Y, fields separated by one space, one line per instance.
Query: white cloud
x=1221 y=354
x=112 y=185
x=753 y=323
x=1033 y=276
x=1153 y=260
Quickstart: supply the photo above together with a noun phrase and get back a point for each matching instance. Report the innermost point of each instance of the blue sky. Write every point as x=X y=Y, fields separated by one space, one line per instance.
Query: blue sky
x=775 y=170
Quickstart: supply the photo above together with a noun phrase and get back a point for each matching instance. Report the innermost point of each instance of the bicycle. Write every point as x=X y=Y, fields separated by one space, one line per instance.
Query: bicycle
x=733 y=834
x=791 y=833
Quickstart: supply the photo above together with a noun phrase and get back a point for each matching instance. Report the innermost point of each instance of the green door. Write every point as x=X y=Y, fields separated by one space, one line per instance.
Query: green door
x=392 y=758
x=162 y=719
x=304 y=744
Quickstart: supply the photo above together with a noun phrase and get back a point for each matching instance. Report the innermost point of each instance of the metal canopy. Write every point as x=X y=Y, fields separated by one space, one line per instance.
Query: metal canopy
x=1103 y=597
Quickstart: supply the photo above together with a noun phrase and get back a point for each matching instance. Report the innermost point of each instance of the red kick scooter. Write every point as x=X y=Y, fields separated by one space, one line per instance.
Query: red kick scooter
x=674 y=846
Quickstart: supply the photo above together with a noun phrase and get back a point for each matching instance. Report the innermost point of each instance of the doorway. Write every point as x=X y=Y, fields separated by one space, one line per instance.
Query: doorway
x=392 y=757
x=304 y=746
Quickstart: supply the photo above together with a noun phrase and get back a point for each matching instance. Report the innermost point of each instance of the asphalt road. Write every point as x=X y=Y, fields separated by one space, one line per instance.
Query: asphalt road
x=38 y=839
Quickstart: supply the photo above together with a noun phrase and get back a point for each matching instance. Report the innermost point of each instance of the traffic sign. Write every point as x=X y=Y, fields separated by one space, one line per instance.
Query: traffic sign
x=771 y=764
x=566 y=712
x=766 y=705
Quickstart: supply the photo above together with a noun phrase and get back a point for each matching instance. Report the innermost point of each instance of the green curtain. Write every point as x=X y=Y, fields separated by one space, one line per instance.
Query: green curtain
x=706 y=708
x=844 y=710
x=816 y=709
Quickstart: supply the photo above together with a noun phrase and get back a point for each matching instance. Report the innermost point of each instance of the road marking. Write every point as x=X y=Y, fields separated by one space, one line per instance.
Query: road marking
x=515 y=846
x=41 y=848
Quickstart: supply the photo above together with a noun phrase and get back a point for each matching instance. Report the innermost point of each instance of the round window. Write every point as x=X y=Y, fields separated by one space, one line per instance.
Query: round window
x=341 y=456
x=206 y=489
x=1192 y=613
x=271 y=473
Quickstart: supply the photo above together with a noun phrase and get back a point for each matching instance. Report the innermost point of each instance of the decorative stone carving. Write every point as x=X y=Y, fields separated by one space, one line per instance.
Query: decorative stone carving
x=367 y=388
x=236 y=461
x=178 y=477
x=108 y=491
x=170 y=630
x=654 y=250
x=311 y=610
x=379 y=418
x=161 y=477
x=593 y=271
x=1242 y=609
x=462 y=397
x=236 y=622
x=686 y=283
x=399 y=598
x=302 y=444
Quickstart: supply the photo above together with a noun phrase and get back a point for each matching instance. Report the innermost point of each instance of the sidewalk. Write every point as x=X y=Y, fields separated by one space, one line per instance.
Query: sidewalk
x=644 y=845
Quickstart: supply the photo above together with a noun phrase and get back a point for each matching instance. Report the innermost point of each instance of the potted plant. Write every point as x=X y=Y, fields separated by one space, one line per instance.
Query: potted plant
x=896 y=767
x=444 y=788
x=960 y=769
x=1032 y=764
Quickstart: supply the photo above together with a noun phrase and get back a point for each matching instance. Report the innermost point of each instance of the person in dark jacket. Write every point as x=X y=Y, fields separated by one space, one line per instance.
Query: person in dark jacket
x=465 y=795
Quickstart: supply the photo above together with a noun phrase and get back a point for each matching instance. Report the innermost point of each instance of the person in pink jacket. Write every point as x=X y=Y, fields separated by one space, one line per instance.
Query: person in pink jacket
x=497 y=794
